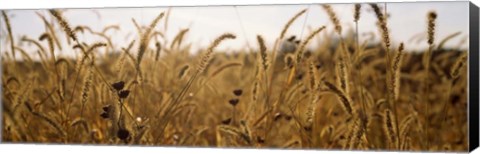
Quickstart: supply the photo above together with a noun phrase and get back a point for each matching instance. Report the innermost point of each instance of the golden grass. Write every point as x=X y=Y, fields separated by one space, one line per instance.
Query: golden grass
x=152 y=91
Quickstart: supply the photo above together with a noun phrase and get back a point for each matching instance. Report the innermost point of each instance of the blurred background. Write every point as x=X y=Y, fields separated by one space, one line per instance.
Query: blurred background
x=407 y=23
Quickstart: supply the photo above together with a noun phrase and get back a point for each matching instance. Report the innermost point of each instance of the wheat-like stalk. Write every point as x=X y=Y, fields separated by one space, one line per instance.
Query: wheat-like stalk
x=89 y=52
x=408 y=143
x=254 y=98
x=178 y=38
x=460 y=63
x=382 y=21
x=49 y=120
x=356 y=12
x=208 y=55
x=345 y=100
x=405 y=126
x=312 y=71
x=395 y=81
x=82 y=122
x=235 y=132
x=167 y=17
x=427 y=56
x=125 y=54
x=10 y=35
x=289 y=23
x=205 y=60
x=51 y=46
x=24 y=54
x=358 y=133
x=35 y=42
x=86 y=88
x=383 y=26
x=314 y=95
x=333 y=17
x=108 y=39
x=389 y=127
x=447 y=38
x=431 y=27
x=51 y=30
x=282 y=35
x=301 y=47
x=263 y=52
x=63 y=73
x=224 y=67
x=66 y=27
x=114 y=27
x=342 y=75
x=43 y=58
x=145 y=39
x=246 y=132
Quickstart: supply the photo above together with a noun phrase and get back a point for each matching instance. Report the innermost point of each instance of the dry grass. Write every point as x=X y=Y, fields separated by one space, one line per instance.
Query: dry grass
x=349 y=95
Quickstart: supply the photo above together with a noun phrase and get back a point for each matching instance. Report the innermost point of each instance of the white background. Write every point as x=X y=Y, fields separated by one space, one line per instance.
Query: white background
x=42 y=148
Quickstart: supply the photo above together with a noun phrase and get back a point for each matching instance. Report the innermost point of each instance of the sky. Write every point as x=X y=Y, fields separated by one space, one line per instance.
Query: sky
x=206 y=23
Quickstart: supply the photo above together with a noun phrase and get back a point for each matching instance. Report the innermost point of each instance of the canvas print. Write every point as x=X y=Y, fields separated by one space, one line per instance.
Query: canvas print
x=354 y=76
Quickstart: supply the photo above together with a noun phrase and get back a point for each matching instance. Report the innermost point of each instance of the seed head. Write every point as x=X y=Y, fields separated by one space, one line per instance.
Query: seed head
x=431 y=26
x=356 y=14
x=104 y=115
x=288 y=117
x=277 y=116
x=123 y=134
x=107 y=108
x=260 y=140
x=123 y=93
x=118 y=85
x=234 y=101
x=226 y=121
x=307 y=128
x=237 y=92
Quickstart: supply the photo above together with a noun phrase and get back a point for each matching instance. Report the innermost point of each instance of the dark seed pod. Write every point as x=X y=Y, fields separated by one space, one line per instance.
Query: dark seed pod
x=234 y=101
x=291 y=38
x=260 y=140
x=104 y=115
x=123 y=93
x=307 y=128
x=277 y=116
x=300 y=76
x=227 y=121
x=123 y=134
x=118 y=85
x=237 y=92
x=288 y=117
x=107 y=108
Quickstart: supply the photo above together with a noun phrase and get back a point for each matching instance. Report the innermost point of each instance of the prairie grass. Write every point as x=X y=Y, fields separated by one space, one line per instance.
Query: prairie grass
x=153 y=91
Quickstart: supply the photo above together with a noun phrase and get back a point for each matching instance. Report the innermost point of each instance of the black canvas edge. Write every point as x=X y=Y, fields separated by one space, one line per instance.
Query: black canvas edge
x=473 y=92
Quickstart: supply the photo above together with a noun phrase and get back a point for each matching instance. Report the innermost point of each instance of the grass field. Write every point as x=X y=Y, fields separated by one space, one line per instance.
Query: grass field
x=343 y=94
